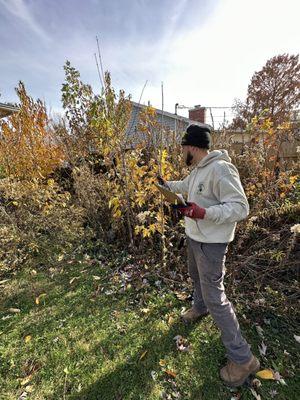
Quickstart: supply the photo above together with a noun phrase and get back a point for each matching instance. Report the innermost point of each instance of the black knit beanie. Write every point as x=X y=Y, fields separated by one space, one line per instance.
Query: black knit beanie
x=197 y=136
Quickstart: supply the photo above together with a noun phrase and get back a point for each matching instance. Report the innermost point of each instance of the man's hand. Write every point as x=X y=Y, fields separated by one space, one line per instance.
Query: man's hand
x=192 y=210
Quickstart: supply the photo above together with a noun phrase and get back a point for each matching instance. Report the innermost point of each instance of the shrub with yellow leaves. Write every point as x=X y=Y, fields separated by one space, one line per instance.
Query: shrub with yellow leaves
x=132 y=162
x=27 y=147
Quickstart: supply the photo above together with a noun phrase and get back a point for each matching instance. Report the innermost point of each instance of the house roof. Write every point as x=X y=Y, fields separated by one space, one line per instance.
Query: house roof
x=7 y=109
x=174 y=116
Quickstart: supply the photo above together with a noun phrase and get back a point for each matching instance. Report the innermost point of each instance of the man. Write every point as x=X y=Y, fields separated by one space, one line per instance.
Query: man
x=216 y=202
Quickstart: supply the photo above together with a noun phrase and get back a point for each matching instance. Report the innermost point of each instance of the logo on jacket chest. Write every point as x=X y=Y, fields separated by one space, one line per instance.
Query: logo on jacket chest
x=200 y=188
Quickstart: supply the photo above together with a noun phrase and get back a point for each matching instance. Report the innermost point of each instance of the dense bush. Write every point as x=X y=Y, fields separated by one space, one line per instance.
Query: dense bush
x=39 y=225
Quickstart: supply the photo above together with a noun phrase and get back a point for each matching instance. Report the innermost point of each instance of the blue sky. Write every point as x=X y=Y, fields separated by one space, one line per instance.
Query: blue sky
x=205 y=51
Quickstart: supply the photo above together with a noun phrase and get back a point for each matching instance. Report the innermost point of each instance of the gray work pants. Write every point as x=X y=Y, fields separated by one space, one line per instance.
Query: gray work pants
x=206 y=263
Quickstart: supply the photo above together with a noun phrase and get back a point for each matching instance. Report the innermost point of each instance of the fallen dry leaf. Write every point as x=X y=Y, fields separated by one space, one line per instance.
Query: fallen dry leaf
x=182 y=344
x=171 y=320
x=73 y=279
x=279 y=378
x=14 y=310
x=117 y=314
x=256 y=395
x=153 y=375
x=262 y=349
x=4 y=280
x=265 y=374
x=25 y=380
x=27 y=338
x=256 y=383
x=259 y=330
x=143 y=355
x=37 y=300
x=162 y=363
x=181 y=296
x=170 y=373
x=297 y=338
x=183 y=348
x=29 y=388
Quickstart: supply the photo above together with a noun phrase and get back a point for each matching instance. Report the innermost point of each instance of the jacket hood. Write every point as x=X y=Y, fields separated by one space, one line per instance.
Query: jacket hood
x=215 y=155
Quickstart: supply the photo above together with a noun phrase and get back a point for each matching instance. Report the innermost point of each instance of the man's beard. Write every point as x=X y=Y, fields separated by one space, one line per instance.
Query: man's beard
x=189 y=159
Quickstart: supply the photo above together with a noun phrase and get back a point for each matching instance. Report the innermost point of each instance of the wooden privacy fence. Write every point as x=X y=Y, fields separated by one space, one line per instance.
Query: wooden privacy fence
x=289 y=152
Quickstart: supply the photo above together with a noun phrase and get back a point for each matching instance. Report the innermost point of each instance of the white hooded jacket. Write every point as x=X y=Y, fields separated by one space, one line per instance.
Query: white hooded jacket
x=215 y=185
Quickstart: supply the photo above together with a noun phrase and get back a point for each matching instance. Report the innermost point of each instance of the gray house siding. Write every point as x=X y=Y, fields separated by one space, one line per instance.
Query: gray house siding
x=170 y=122
x=7 y=109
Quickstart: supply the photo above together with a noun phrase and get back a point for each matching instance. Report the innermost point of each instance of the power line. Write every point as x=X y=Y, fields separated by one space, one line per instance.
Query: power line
x=217 y=107
x=207 y=107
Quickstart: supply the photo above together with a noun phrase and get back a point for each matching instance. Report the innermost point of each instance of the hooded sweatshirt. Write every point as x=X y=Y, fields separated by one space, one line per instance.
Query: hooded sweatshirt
x=215 y=185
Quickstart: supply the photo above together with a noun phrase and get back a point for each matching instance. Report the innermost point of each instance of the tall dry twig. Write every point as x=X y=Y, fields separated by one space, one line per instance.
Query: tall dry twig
x=101 y=81
x=163 y=242
x=100 y=59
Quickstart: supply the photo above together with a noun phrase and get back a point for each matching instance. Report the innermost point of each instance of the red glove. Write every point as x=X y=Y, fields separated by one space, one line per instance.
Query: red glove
x=192 y=211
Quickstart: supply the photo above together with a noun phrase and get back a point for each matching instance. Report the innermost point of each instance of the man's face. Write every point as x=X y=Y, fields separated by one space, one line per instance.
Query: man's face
x=188 y=155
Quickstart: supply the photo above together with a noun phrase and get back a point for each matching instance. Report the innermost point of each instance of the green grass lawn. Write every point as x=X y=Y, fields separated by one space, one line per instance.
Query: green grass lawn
x=90 y=339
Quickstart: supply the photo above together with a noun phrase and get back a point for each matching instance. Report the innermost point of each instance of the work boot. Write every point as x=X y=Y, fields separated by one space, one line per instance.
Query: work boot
x=236 y=374
x=192 y=315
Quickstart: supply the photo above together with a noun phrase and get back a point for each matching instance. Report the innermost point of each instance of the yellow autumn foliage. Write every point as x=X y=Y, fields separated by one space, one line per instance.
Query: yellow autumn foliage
x=27 y=146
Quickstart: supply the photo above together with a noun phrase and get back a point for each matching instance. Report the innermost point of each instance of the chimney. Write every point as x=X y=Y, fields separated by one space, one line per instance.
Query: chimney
x=197 y=114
